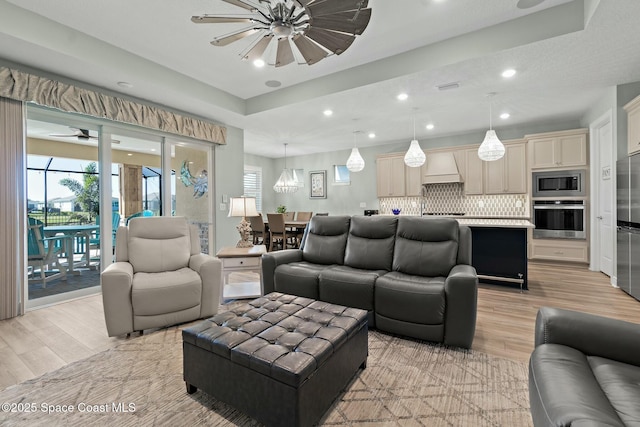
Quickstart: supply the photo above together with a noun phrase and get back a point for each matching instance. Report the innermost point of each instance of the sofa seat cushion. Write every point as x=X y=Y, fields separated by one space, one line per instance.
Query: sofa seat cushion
x=413 y=299
x=298 y=278
x=166 y=292
x=563 y=388
x=621 y=384
x=349 y=286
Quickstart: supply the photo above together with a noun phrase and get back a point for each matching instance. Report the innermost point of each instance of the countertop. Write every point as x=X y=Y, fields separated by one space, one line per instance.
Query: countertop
x=503 y=222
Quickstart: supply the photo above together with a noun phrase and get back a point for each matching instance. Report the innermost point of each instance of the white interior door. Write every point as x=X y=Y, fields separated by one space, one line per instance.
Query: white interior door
x=604 y=203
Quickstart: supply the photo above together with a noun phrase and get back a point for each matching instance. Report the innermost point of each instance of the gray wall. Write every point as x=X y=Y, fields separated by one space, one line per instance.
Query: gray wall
x=229 y=166
x=346 y=199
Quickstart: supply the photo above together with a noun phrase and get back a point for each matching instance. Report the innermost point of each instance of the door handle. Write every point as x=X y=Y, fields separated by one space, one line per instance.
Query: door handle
x=599 y=217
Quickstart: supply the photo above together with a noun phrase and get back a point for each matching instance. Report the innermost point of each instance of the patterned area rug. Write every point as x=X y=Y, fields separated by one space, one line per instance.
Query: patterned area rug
x=406 y=383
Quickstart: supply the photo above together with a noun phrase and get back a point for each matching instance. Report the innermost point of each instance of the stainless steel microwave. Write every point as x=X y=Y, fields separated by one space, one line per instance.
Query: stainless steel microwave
x=562 y=183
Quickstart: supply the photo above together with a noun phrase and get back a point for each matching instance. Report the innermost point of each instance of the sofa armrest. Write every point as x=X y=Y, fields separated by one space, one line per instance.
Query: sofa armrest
x=116 y=281
x=592 y=335
x=272 y=260
x=461 y=291
x=210 y=270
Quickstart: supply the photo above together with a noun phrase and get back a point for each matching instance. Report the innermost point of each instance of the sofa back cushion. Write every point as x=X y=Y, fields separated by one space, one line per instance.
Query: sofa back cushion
x=370 y=242
x=426 y=246
x=157 y=244
x=325 y=239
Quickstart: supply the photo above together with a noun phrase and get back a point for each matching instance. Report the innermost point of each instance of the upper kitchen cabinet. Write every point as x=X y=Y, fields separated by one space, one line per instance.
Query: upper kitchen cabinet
x=390 y=175
x=472 y=172
x=413 y=180
x=633 y=125
x=507 y=175
x=558 y=149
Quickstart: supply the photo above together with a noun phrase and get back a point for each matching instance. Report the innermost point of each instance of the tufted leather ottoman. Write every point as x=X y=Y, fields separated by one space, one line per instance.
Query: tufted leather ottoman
x=282 y=359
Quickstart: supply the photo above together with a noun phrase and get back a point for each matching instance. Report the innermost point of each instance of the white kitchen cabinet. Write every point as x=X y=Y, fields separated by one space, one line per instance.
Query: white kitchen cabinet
x=390 y=176
x=559 y=250
x=564 y=149
x=413 y=180
x=473 y=173
x=507 y=175
x=633 y=125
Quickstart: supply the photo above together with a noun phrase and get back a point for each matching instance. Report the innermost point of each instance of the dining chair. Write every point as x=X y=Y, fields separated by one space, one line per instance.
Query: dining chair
x=277 y=231
x=258 y=229
x=304 y=216
x=322 y=214
x=94 y=242
x=44 y=253
x=288 y=216
x=299 y=231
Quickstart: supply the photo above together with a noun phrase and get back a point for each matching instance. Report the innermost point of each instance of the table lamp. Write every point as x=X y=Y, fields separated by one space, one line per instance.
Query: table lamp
x=243 y=207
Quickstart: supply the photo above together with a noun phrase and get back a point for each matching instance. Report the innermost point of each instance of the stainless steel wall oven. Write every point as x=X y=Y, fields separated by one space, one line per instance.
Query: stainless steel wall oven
x=559 y=219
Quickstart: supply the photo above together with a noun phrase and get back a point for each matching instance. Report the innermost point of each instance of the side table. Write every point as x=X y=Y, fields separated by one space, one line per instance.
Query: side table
x=241 y=260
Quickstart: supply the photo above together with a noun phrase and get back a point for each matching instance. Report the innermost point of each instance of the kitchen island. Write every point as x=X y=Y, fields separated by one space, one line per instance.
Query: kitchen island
x=499 y=249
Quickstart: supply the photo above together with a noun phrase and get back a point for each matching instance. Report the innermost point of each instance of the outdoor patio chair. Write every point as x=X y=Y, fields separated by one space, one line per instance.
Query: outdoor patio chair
x=44 y=253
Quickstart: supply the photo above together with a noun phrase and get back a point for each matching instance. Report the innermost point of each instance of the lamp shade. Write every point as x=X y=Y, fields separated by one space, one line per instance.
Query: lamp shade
x=355 y=162
x=415 y=157
x=491 y=148
x=243 y=207
x=286 y=183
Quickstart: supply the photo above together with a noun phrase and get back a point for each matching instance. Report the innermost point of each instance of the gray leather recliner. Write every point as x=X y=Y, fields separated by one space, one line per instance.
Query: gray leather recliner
x=584 y=370
x=413 y=275
x=160 y=278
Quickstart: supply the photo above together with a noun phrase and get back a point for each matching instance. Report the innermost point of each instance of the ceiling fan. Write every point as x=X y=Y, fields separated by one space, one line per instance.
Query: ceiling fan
x=81 y=135
x=317 y=28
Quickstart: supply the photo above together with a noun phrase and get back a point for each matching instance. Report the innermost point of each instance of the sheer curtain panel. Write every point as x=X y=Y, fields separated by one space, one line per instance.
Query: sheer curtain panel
x=12 y=213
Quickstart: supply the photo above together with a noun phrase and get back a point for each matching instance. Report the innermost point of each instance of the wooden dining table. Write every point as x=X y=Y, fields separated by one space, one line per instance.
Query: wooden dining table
x=298 y=225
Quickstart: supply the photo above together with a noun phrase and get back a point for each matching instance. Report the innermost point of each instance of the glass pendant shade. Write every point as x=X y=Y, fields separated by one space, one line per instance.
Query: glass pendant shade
x=355 y=162
x=286 y=183
x=415 y=157
x=491 y=148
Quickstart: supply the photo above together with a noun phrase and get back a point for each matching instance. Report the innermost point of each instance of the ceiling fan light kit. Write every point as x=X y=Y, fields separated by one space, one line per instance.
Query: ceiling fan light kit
x=305 y=31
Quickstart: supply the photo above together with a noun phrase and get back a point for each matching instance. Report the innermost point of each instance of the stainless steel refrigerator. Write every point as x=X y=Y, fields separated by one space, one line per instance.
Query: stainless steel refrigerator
x=628 y=230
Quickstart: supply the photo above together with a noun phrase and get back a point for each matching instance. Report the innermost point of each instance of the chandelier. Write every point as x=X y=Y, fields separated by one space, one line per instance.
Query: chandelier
x=286 y=183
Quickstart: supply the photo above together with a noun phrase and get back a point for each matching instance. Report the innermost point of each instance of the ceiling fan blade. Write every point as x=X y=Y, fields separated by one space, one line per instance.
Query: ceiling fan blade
x=219 y=19
x=284 y=55
x=311 y=52
x=329 y=7
x=258 y=49
x=242 y=4
x=230 y=38
x=343 y=21
x=334 y=41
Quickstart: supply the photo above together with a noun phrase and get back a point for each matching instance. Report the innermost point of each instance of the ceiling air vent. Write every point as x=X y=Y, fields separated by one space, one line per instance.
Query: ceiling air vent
x=447 y=86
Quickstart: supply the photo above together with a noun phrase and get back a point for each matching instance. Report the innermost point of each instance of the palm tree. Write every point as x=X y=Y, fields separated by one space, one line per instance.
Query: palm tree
x=87 y=192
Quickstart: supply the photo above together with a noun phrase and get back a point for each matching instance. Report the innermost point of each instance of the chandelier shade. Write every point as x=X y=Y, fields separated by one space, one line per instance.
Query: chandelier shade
x=285 y=183
x=491 y=148
x=414 y=157
x=355 y=162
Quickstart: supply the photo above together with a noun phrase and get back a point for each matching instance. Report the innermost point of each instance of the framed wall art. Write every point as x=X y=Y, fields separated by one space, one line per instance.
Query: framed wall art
x=318 y=184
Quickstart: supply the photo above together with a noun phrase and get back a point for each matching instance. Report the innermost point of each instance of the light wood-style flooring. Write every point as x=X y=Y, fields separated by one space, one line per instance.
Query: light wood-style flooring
x=46 y=339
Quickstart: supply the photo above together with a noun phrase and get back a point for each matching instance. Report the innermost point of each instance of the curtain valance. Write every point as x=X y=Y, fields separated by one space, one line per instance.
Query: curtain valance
x=27 y=87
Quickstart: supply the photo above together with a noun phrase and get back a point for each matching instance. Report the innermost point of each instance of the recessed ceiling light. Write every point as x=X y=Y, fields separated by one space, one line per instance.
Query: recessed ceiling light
x=258 y=63
x=372 y=135
x=403 y=96
x=509 y=73
x=129 y=154
x=327 y=113
x=273 y=83
x=153 y=149
x=505 y=115
x=430 y=126
x=125 y=85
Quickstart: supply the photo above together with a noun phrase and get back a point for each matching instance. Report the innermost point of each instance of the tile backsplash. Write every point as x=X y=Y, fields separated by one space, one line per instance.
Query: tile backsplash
x=450 y=198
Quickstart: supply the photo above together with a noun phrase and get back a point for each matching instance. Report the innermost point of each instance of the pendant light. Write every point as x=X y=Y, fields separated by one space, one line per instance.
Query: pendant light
x=355 y=162
x=286 y=183
x=491 y=148
x=414 y=157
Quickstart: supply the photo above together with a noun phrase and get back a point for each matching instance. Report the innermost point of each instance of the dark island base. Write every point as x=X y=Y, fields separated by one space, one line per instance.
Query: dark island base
x=500 y=252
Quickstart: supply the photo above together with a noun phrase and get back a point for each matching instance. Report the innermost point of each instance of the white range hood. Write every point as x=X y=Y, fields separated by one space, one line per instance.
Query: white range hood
x=441 y=168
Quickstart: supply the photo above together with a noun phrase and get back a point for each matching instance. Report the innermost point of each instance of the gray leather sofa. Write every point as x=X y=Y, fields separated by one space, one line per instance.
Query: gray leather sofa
x=413 y=275
x=584 y=370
